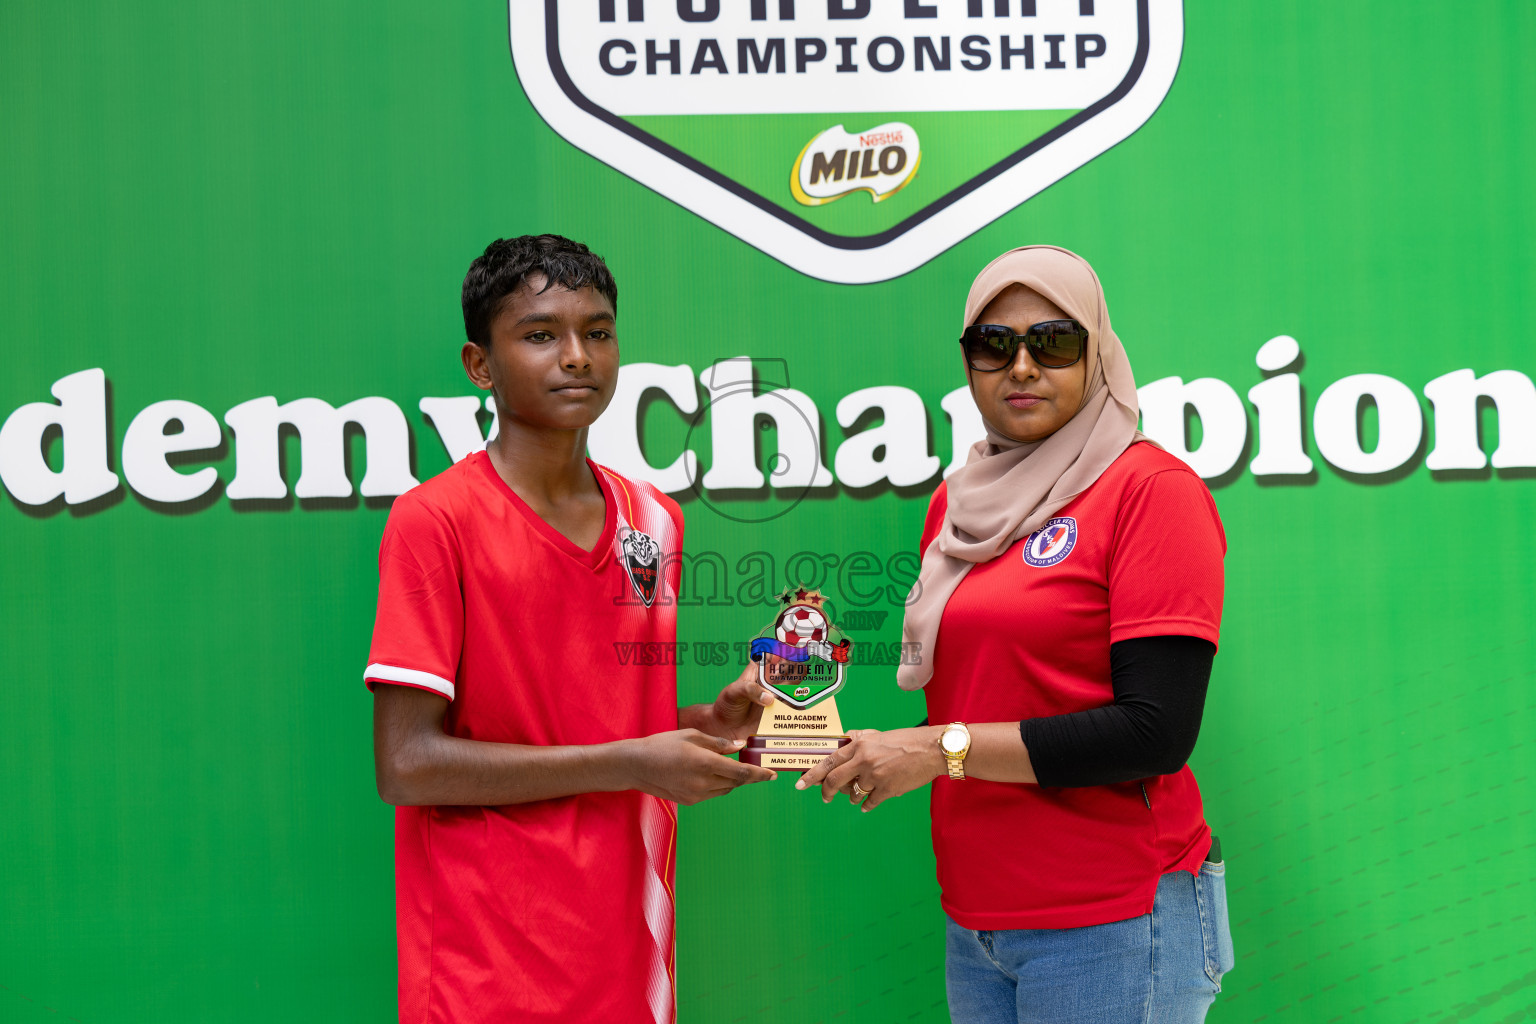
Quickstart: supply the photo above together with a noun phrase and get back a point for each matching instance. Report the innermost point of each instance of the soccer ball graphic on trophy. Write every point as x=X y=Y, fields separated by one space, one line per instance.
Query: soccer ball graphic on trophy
x=802 y=653
x=801 y=625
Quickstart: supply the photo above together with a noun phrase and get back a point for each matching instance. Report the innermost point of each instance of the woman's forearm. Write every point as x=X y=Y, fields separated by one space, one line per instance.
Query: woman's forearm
x=888 y=764
x=997 y=753
x=1159 y=685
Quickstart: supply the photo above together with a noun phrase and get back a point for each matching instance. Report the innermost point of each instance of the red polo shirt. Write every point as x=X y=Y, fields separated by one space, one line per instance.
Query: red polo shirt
x=1027 y=635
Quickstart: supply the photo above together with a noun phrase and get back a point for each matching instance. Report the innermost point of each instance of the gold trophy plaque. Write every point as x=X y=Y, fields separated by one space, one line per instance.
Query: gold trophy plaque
x=802 y=659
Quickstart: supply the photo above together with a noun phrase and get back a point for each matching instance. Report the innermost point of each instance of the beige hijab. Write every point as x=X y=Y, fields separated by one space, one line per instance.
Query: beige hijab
x=1008 y=489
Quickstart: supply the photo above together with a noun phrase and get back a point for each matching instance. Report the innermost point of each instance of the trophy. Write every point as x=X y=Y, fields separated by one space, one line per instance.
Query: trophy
x=801 y=659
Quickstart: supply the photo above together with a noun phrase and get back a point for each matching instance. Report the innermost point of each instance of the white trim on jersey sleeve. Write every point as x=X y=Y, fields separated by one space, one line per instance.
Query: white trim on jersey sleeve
x=410 y=677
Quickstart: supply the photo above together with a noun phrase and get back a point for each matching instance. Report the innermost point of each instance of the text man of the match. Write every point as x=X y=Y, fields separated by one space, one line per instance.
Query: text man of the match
x=536 y=774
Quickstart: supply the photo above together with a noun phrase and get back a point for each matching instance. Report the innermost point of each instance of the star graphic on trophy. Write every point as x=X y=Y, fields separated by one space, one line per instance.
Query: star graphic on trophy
x=801 y=595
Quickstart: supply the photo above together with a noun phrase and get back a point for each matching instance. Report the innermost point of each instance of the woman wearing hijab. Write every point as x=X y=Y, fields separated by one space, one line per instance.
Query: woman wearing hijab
x=1065 y=619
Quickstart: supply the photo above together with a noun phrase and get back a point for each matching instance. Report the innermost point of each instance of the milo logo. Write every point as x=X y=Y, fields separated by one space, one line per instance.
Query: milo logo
x=836 y=163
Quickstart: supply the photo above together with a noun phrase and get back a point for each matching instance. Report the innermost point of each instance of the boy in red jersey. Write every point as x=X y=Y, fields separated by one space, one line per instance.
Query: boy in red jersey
x=535 y=773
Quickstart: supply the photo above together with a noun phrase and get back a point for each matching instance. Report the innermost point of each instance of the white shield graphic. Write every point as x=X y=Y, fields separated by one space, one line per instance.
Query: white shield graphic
x=853 y=140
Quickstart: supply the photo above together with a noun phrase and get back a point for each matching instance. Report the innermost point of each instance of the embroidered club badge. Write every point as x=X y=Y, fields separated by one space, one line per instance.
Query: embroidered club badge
x=641 y=562
x=1052 y=543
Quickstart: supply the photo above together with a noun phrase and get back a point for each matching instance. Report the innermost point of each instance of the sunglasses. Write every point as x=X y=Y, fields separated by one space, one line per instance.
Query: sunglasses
x=1051 y=343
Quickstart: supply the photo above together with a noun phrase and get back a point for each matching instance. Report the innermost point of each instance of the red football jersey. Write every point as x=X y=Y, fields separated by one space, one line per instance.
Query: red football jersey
x=556 y=910
x=1027 y=635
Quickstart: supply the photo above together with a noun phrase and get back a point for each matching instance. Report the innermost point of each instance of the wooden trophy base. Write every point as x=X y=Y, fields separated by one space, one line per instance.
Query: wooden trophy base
x=795 y=739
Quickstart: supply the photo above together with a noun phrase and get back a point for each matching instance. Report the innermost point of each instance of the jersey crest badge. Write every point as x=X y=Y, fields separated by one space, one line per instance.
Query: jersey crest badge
x=641 y=562
x=1052 y=543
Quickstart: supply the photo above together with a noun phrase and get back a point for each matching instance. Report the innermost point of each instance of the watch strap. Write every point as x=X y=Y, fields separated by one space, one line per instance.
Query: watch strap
x=955 y=760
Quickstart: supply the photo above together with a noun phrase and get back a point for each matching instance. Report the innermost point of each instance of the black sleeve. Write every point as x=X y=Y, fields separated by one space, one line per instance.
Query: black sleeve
x=1150 y=729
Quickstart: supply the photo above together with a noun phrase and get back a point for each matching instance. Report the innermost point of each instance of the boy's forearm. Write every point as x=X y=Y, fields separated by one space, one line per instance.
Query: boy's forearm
x=734 y=714
x=697 y=716
x=447 y=770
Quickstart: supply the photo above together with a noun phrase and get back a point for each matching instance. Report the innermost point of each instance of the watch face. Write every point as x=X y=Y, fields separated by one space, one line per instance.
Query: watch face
x=953 y=740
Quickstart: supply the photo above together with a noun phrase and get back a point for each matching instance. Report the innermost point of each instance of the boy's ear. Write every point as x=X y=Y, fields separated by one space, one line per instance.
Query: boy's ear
x=475 y=366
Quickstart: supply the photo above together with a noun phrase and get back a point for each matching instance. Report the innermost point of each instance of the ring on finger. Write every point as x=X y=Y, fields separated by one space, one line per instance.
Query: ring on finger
x=859 y=791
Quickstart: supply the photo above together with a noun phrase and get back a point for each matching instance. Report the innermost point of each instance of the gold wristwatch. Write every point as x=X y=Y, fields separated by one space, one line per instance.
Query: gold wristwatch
x=955 y=743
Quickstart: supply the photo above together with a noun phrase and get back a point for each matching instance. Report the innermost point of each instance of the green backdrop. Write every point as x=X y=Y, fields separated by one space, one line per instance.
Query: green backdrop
x=215 y=202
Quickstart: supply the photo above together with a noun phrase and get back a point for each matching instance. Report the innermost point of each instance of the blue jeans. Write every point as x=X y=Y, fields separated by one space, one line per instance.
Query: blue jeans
x=1161 y=968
